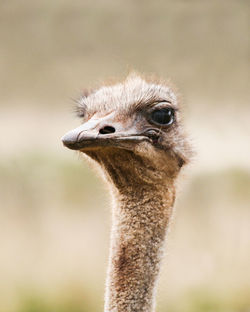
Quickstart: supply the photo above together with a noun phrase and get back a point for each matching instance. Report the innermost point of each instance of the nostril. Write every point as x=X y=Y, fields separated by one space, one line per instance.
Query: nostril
x=107 y=130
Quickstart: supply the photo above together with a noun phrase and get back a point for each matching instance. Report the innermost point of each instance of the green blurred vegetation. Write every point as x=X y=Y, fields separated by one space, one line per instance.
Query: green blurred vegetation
x=34 y=185
x=35 y=179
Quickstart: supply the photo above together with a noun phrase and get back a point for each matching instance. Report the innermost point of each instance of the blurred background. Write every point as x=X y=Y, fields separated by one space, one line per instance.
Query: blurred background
x=54 y=211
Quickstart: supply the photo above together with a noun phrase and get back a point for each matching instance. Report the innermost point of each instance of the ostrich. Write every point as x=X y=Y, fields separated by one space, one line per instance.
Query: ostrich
x=132 y=130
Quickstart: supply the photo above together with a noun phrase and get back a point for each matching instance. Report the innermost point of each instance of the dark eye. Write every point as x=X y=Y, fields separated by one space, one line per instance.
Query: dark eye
x=164 y=116
x=80 y=111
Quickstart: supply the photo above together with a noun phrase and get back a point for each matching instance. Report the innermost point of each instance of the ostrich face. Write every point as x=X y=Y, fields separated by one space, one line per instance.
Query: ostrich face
x=135 y=117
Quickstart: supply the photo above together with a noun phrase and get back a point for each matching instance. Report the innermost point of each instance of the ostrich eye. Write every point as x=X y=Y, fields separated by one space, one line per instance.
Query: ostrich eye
x=164 y=116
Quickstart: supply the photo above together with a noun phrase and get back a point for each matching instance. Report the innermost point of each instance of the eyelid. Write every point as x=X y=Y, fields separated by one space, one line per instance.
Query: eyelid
x=143 y=106
x=162 y=105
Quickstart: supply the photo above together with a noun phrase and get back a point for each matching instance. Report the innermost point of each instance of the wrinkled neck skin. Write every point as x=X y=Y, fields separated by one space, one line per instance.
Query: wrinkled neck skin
x=143 y=200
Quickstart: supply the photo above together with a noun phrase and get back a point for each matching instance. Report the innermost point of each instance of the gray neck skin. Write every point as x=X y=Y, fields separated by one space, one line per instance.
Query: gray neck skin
x=141 y=214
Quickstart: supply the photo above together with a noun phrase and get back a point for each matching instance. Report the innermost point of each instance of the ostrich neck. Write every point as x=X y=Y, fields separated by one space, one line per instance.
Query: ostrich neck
x=140 y=218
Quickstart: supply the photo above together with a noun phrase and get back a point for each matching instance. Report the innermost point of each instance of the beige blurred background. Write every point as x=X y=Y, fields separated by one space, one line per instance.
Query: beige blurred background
x=54 y=211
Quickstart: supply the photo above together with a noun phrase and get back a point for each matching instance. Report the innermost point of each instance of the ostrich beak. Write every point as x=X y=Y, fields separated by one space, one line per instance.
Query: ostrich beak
x=100 y=132
x=73 y=137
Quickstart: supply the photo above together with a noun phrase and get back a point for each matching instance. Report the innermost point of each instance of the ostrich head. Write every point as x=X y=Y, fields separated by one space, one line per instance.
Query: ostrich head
x=133 y=130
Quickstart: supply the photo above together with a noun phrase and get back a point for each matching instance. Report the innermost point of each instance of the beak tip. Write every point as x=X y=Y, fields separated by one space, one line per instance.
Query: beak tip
x=64 y=140
x=68 y=140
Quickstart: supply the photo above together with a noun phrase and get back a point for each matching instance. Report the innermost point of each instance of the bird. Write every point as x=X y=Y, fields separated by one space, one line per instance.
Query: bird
x=132 y=130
